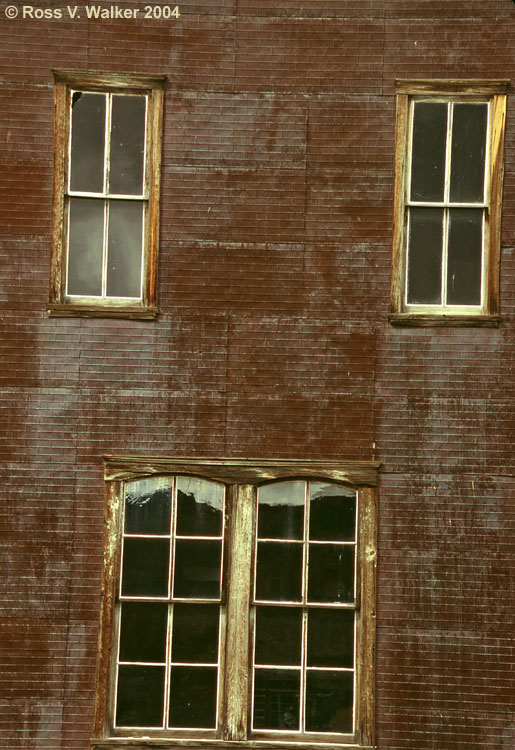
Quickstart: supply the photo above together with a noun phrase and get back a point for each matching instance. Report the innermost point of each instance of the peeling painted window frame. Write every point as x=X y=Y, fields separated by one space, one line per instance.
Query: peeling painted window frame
x=486 y=314
x=65 y=82
x=241 y=478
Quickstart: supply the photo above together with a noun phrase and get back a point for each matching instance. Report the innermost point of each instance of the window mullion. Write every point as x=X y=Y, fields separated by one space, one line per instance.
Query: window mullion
x=236 y=685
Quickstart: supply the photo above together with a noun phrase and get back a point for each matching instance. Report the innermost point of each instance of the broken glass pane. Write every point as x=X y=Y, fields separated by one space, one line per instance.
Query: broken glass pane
x=281 y=510
x=276 y=699
x=425 y=256
x=329 y=701
x=468 y=152
x=143 y=631
x=85 y=249
x=199 y=507
x=124 y=248
x=127 y=145
x=332 y=514
x=88 y=140
x=464 y=256
x=428 y=151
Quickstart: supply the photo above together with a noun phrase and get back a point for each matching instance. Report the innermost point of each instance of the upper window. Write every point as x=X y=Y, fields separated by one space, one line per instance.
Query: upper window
x=448 y=201
x=238 y=608
x=106 y=210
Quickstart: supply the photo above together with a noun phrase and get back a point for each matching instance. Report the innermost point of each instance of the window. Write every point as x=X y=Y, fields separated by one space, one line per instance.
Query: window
x=448 y=185
x=106 y=189
x=239 y=602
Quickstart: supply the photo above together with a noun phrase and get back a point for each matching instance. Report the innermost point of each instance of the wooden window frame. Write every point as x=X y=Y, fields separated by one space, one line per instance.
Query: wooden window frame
x=153 y=86
x=241 y=478
x=493 y=91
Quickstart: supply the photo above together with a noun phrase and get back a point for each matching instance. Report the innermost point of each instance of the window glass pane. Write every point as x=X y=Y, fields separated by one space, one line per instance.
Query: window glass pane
x=143 y=631
x=276 y=699
x=140 y=697
x=195 y=633
x=279 y=572
x=127 y=145
x=199 y=507
x=331 y=573
x=145 y=567
x=197 y=569
x=428 y=151
x=425 y=256
x=147 y=506
x=193 y=697
x=124 y=248
x=331 y=638
x=468 y=152
x=88 y=141
x=85 y=249
x=464 y=256
x=329 y=701
x=278 y=636
x=281 y=510
x=332 y=513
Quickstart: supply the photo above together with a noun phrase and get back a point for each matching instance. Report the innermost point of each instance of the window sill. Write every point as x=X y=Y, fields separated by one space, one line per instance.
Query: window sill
x=443 y=320
x=102 y=311
x=122 y=743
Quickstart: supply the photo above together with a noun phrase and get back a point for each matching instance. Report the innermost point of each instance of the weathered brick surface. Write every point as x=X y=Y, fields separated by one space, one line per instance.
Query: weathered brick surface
x=272 y=341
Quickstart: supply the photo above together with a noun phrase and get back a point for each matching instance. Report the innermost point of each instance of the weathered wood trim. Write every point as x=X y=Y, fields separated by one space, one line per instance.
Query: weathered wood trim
x=494 y=218
x=134 y=744
x=244 y=471
x=108 y=81
x=462 y=86
x=445 y=321
x=111 y=547
x=365 y=691
x=398 y=256
x=56 y=310
x=236 y=684
x=153 y=86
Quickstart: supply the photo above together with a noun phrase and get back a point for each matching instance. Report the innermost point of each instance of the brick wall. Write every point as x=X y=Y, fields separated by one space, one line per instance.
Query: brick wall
x=272 y=341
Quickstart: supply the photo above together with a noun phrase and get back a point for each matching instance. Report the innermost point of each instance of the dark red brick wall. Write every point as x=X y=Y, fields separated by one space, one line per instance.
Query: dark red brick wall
x=272 y=341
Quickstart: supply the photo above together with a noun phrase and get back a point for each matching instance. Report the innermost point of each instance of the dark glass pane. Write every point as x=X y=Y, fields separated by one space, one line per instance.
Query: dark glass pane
x=193 y=697
x=468 y=152
x=195 y=633
x=140 y=697
x=332 y=513
x=329 y=701
x=124 y=248
x=85 y=250
x=464 y=256
x=276 y=699
x=428 y=151
x=279 y=572
x=425 y=256
x=197 y=569
x=331 y=573
x=278 y=636
x=147 y=507
x=331 y=638
x=127 y=145
x=281 y=510
x=88 y=142
x=199 y=507
x=145 y=567
x=143 y=631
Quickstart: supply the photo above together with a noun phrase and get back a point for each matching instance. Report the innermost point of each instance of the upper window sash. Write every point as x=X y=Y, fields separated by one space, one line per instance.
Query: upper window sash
x=106 y=177
x=447 y=202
